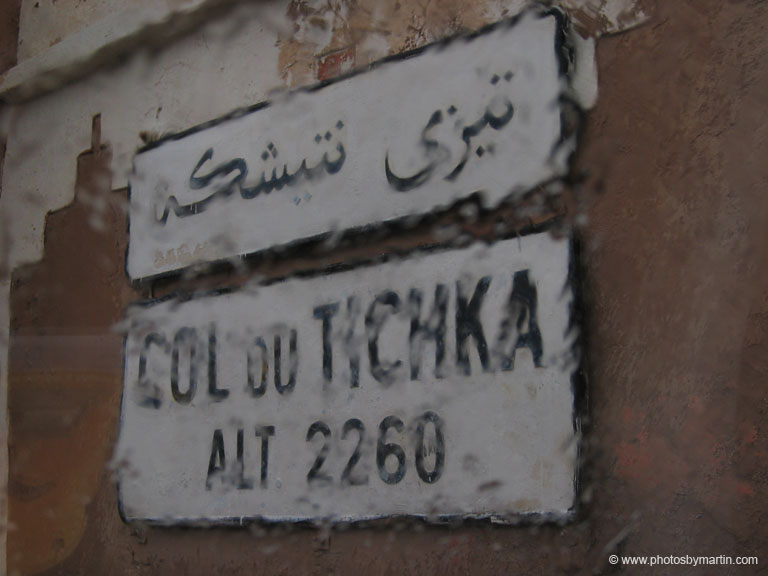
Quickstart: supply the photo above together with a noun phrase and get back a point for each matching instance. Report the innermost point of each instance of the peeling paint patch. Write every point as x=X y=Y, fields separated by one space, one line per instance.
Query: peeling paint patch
x=598 y=17
x=380 y=30
x=336 y=63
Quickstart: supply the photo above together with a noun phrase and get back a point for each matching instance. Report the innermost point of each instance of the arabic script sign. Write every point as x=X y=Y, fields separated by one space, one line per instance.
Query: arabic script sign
x=437 y=386
x=479 y=114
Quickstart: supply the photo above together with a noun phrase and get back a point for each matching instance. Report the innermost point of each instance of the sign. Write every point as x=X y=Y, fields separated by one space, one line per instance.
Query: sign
x=413 y=134
x=436 y=386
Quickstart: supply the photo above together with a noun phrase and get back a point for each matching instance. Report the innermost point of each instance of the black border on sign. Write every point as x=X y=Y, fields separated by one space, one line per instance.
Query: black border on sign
x=563 y=53
x=579 y=397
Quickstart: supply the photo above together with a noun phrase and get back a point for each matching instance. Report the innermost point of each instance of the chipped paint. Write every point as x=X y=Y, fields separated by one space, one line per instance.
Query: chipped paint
x=395 y=27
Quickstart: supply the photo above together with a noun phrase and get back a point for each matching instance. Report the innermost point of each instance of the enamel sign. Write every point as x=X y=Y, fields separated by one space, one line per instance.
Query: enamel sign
x=438 y=386
x=411 y=135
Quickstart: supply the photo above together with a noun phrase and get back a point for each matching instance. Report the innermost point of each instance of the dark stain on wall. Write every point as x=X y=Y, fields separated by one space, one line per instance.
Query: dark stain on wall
x=10 y=10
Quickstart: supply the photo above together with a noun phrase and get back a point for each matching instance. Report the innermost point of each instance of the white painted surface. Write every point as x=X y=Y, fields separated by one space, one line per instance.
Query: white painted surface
x=502 y=87
x=166 y=93
x=80 y=28
x=510 y=445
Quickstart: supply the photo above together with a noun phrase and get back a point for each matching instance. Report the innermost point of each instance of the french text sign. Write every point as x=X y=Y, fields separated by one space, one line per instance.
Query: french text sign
x=414 y=134
x=436 y=386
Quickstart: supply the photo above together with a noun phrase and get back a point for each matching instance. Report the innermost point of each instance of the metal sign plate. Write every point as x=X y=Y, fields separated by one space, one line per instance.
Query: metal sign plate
x=415 y=133
x=435 y=386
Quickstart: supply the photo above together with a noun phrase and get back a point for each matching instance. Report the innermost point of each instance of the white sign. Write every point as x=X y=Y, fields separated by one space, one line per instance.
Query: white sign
x=479 y=114
x=436 y=386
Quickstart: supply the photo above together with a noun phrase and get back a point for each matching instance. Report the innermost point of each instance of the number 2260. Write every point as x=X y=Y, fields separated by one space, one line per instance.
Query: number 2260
x=384 y=450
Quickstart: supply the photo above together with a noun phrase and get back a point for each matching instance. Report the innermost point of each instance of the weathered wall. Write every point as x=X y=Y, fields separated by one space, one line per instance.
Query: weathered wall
x=677 y=296
x=46 y=23
x=674 y=222
x=676 y=238
x=9 y=29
